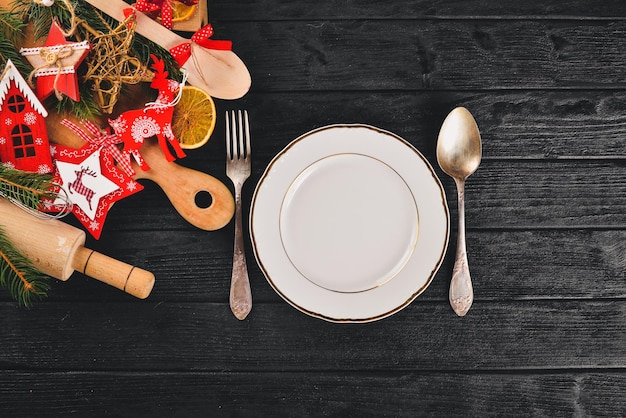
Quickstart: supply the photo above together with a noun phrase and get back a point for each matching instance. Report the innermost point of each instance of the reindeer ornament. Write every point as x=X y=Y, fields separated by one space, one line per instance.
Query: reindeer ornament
x=155 y=119
x=91 y=179
x=80 y=188
x=99 y=173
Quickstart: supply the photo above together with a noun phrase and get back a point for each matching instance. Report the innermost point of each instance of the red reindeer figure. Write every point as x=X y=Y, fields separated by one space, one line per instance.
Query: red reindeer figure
x=155 y=119
x=79 y=187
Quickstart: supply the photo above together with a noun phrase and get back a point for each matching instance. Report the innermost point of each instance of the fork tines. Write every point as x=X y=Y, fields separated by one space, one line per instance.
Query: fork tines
x=237 y=134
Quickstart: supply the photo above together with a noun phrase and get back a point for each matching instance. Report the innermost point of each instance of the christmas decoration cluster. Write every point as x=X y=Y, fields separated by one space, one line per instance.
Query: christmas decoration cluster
x=66 y=58
x=98 y=52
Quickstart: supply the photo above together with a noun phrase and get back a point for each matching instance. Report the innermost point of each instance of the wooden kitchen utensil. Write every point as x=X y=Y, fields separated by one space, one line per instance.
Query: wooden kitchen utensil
x=181 y=184
x=56 y=248
x=220 y=73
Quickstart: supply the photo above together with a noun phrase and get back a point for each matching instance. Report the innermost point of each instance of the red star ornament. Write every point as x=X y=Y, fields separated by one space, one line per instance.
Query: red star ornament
x=92 y=182
x=55 y=64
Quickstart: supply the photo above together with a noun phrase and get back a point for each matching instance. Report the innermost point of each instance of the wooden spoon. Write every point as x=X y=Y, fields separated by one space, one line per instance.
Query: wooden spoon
x=222 y=74
x=180 y=184
x=459 y=151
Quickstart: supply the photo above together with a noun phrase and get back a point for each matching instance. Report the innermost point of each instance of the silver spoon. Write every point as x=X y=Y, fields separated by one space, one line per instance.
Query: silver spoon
x=459 y=151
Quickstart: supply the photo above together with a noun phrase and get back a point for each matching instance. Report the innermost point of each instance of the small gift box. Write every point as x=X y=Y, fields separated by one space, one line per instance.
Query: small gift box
x=179 y=15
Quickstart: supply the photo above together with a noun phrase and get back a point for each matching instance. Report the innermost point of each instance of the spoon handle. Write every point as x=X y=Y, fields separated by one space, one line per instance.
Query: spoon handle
x=461 y=291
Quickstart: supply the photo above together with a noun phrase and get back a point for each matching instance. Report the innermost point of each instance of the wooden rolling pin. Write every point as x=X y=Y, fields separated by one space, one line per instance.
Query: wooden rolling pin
x=56 y=248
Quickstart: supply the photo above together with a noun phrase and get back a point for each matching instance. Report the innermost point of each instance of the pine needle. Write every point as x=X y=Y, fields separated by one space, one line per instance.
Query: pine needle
x=41 y=17
x=8 y=52
x=11 y=30
x=87 y=108
x=18 y=275
x=30 y=189
x=12 y=25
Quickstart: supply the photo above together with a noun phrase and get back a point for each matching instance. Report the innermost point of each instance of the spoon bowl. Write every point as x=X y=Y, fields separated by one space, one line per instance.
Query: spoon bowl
x=459 y=151
x=459 y=146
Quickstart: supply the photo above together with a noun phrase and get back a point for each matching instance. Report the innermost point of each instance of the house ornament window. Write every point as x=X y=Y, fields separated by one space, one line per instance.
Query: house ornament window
x=16 y=103
x=23 y=142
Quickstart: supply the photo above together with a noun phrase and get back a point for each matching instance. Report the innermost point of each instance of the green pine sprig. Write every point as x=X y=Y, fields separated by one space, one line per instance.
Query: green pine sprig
x=18 y=275
x=41 y=18
x=11 y=29
x=29 y=189
x=12 y=23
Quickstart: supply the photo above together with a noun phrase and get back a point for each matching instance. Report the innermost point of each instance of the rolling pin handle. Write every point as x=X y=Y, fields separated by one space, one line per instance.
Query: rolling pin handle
x=130 y=279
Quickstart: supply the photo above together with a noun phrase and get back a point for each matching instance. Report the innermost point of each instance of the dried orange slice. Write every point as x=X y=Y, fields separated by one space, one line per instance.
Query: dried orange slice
x=194 y=118
x=181 y=11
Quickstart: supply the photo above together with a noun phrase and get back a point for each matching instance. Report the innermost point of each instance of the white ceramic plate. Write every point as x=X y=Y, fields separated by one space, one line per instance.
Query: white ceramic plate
x=349 y=223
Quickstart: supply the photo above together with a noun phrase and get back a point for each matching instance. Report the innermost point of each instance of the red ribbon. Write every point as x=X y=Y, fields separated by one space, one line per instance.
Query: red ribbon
x=130 y=16
x=182 y=52
x=95 y=136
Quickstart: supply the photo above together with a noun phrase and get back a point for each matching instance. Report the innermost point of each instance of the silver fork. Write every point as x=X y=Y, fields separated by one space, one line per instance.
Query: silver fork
x=238 y=170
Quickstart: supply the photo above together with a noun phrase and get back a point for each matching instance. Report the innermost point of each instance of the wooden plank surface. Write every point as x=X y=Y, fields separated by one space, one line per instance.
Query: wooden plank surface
x=315 y=394
x=545 y=215
x=270 y=10
x=180 y=337
x=373 y=55
x=514 y=124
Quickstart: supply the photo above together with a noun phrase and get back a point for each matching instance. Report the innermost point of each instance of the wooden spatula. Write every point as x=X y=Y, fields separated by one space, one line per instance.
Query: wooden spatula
x=222 y=74
x=180 y=184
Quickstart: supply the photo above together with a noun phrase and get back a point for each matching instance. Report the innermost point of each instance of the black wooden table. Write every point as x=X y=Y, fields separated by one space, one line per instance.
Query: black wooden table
x=546 y=336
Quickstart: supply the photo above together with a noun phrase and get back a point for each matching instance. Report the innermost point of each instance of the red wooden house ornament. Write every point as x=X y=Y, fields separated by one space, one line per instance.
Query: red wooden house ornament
x=23 y=135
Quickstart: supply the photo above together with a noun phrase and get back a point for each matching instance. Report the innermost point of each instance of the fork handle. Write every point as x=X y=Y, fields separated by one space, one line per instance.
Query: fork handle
x=240 y=293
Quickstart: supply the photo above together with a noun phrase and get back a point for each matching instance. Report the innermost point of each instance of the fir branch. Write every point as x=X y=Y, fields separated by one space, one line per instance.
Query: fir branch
x=41 y=18
x=27 y=188
x=18 y=275
x=12 y=25
x=144 y=47
x=97 y=20
x=11 y=29
x=87 y=108
x=9 y=52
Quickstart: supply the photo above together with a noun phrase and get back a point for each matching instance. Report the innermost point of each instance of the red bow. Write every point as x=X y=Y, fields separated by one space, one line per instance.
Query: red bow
x=95 y=136
x=182 y=52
